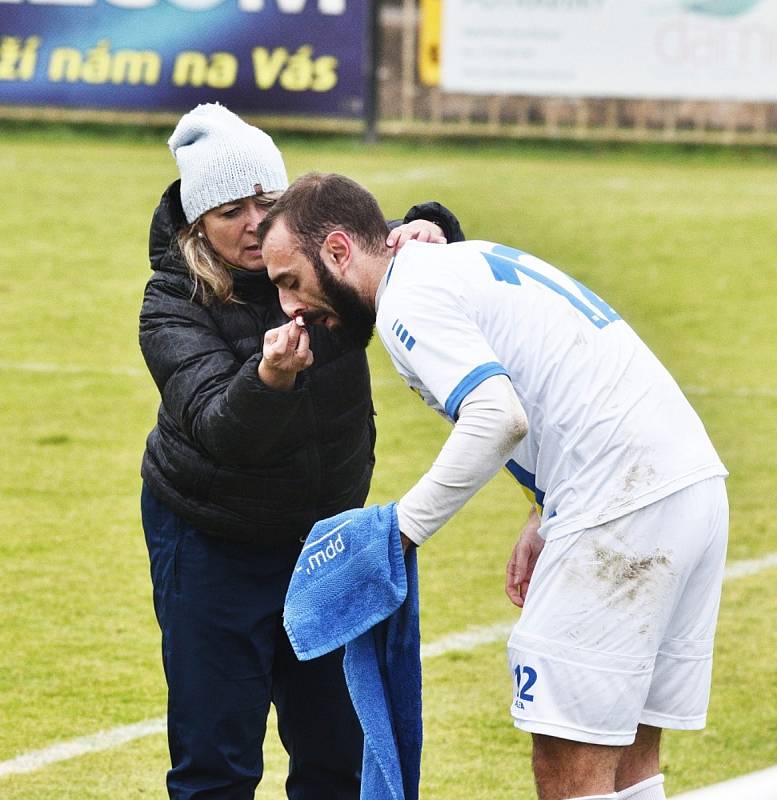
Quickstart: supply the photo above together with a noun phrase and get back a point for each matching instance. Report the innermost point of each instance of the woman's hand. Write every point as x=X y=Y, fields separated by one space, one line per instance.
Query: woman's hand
x=521 y=565
x=286 y=352
x=419 y=229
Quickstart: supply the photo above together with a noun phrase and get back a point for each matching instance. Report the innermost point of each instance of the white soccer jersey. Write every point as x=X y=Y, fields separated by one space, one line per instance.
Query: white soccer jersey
x=609 y=429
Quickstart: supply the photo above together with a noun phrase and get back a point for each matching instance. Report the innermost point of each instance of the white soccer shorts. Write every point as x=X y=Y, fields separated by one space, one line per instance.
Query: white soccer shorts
x=619 y=620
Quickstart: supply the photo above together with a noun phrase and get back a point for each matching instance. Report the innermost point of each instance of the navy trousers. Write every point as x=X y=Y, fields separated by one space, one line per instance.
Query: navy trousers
x=226 y=657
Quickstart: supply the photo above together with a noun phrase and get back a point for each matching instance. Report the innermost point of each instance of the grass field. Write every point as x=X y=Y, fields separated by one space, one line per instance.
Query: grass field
x=681 y=243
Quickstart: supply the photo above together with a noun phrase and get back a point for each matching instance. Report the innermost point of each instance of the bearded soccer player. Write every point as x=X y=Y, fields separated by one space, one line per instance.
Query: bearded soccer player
x=620 y=564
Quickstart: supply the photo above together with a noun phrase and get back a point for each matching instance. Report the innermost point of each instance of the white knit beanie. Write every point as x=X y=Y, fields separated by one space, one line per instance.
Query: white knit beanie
x=221 y=159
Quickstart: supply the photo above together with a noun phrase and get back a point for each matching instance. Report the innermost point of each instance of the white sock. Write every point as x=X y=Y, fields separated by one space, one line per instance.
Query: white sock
x=596 y=797
x=649 y=789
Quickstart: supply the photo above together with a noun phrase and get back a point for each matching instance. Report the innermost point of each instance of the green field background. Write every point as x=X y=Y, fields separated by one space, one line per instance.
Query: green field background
x=683 y=243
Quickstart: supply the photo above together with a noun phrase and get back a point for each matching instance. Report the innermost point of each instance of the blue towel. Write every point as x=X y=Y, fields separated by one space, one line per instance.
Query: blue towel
x=352 y=585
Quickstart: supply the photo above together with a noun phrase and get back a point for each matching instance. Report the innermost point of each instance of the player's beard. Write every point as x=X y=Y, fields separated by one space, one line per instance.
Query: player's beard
x=357 y=317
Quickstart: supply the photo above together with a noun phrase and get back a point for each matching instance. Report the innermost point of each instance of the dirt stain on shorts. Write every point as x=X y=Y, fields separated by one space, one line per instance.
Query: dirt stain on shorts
x=626 y=576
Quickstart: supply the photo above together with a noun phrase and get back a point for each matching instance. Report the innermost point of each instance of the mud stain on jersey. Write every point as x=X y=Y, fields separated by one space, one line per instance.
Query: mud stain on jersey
x=638 y=474
x=628 y=487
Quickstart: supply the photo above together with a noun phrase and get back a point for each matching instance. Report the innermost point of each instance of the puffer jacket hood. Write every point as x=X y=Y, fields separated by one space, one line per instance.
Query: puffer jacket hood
x=168 y=220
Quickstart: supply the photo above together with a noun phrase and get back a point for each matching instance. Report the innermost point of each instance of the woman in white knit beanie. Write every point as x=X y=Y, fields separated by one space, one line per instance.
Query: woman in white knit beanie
x=230 y=173
x=243 y=460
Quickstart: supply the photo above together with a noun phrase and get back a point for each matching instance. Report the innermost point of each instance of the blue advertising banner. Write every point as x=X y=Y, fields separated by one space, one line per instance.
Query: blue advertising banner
x=260 y=56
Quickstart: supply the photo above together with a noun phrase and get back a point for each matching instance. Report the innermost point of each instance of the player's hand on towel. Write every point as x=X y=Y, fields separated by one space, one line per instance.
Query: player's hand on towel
x=521 y=565
x=286 y=352
x=405 y=542
x=421 y=230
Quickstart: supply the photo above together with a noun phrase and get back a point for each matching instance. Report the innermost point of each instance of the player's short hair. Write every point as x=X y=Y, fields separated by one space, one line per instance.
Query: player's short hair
x=318 y=203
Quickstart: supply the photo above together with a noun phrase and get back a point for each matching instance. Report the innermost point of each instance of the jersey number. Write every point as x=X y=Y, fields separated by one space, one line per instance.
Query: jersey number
x=528 y=676
x=505 y=265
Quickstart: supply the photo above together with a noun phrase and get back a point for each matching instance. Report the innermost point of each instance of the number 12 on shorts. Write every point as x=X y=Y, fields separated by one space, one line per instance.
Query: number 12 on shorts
x=525 y=678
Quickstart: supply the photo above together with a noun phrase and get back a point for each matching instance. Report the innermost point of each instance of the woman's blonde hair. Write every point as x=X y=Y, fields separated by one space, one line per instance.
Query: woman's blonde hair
x=212 y=276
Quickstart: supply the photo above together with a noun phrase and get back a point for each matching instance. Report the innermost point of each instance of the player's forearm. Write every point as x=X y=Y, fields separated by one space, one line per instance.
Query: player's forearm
x=490 y=425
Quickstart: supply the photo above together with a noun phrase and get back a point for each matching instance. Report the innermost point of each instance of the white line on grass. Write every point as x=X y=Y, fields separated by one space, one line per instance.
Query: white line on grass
x=465 y=640
x=760 y=785
x=70 y=369
x=741 y=569
x=102 y=740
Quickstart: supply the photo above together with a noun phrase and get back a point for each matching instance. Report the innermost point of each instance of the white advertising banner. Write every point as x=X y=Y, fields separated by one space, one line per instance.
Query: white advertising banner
x=695 y=49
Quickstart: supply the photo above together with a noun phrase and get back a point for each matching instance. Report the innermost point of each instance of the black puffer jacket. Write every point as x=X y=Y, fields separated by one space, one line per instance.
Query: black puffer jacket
x=237 y=459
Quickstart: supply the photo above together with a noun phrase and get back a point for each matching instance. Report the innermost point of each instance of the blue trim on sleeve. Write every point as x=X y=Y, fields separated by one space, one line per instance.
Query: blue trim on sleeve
x=527 y=480
x=468 y=383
